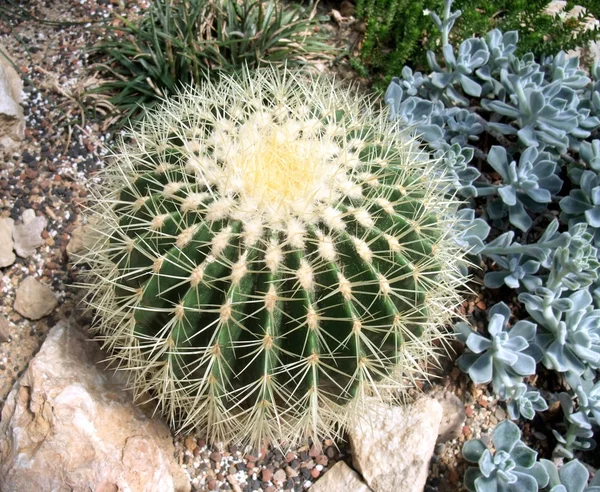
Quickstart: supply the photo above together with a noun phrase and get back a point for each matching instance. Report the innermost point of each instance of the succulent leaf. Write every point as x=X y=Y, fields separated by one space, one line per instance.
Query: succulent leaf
x=513 y=466
x=501 y=359
x=531 y=180
x=571 y=477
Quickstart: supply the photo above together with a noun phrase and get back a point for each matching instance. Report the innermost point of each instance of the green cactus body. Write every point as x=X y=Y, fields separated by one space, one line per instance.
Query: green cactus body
x=270 y=252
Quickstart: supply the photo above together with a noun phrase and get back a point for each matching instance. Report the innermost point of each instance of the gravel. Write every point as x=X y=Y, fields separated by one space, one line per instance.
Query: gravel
x=52 y=169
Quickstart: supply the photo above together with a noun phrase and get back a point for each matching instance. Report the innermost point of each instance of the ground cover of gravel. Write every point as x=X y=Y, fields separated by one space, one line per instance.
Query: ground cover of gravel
x=52 y=172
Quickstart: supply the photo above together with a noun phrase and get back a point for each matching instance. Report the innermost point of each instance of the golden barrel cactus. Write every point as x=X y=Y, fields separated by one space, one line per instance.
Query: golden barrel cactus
x=271 y=252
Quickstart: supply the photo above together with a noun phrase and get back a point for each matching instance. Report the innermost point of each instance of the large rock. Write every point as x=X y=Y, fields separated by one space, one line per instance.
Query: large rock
x=12 y=121
x=67 y=425
x=7 y=257
x=392 y=446
x=341 y=478
x=28 y=234
x=34 y=300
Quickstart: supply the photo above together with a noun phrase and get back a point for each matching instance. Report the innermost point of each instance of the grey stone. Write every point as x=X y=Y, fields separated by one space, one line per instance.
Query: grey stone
x=68 y=422
x=27 y=235
x=7 y=257
x=34 y=300
x=341 y=478
x=453 y=415
x=392 y=445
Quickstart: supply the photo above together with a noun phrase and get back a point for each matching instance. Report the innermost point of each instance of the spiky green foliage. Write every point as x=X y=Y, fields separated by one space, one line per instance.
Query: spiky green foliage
x=179 y=42
x=272 y=252
x=400 y=32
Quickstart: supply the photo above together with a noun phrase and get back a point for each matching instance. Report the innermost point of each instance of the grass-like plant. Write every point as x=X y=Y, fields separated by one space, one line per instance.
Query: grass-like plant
x=272 y=252
x=179 y=42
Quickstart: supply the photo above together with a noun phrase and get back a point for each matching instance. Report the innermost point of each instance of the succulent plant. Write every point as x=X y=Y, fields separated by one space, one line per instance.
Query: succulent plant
x=522 y=402
x=590 y=153
x=545 y=306
x=445 y=24
x=579 y=431
x=531 y=181
x=594 y=92
x=502 y=46
x=271 y=252
x=567 y=71
x=576 y=266
x=503 y=359
x=572 y=265
x=516 y=271
x=527 y=69
x=542 y=114
x=463 y=127
x=512 y=467
x=426 y=118
x=583 y=204
x=471 y=231
x=570 y=336
x=543 y=250
x=473 y=54
x=455 y=164
x=410 y=82
x=587 y=391
x=571 y=477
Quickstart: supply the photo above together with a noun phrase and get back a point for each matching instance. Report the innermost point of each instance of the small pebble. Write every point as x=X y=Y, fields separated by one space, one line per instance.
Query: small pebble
x=279 y=476
x=267 y=475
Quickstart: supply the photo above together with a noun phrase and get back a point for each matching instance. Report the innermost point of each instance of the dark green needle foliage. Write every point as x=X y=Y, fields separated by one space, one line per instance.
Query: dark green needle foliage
x=400 y=32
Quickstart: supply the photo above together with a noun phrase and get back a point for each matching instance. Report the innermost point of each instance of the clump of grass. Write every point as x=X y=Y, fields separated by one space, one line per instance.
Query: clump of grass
x=180 y=42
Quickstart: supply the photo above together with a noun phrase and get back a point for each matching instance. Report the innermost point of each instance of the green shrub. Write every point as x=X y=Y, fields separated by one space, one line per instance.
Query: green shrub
x=179 y=42
x=399 y=32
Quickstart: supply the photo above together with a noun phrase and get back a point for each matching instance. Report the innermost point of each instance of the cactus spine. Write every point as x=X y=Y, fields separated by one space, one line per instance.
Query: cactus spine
x=271 y=252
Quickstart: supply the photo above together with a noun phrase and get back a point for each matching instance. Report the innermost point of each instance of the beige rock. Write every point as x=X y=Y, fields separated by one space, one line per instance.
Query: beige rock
x=393 y=445
x=341 y=478
x=68 y=422
x=555 y=7
x=27 y=235
x=12 y=121
x=7 y=257
x=34 y=300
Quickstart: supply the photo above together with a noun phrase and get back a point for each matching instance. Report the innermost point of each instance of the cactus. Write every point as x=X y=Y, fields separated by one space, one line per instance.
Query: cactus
x=270 y=253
